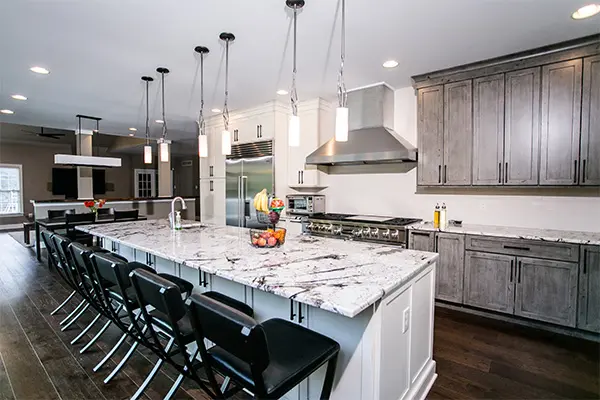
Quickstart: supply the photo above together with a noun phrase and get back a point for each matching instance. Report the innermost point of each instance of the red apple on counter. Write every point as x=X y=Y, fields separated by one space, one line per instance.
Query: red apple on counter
x=262 y=242
x=272 y=241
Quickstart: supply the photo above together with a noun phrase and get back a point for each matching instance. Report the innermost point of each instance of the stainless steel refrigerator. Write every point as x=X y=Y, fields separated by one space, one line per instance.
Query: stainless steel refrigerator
x=248 y=170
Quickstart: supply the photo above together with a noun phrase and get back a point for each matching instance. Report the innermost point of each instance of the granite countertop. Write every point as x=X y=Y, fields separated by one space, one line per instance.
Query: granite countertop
x=340 y=276
x=548 y=235
x=108 y=199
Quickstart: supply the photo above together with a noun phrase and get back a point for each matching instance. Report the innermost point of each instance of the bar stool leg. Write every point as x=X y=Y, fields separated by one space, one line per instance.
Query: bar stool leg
x=75 y=311
x=180 y=378
x=124 y=359
x=152 y=373
x=86 y=329
x=329 y=375
x=57 y=309
x=75 y=318
x=111 y=352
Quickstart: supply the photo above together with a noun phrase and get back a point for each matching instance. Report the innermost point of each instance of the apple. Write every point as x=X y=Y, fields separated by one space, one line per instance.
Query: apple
x=262 y=242
x=272 y=241
x=254 y=241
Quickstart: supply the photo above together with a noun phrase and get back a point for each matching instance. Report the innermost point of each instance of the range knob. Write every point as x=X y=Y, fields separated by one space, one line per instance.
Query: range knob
x=357 y=232
x=374 y=232
x=366 y=232
x=386 y=234
x=337 y=230
x=328 y=227
x=322 y=227
x=395 y=234
x=310 y=226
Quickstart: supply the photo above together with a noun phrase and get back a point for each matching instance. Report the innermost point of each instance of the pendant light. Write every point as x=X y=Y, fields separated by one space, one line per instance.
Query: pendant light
x=147 y=147
x=341 y=112
x=226 y=135
x=294 y=123
x=202 y=138
x=163 y=143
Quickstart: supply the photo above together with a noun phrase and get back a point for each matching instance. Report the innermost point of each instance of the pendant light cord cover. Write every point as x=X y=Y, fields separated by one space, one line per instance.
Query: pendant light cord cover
x=164 y=119
x=293 y=91
x=341 y=86
x=225 y=106
x=201 y=123
x=147 y=114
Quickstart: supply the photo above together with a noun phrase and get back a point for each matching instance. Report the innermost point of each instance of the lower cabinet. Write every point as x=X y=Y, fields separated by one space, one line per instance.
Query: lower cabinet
x=589 y=289
x=546 y=290
x=450 y=267
x=422 y=241
x=489 y=281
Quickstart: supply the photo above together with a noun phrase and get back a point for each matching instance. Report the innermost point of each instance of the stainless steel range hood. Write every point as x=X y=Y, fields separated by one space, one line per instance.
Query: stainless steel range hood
x=371 y=140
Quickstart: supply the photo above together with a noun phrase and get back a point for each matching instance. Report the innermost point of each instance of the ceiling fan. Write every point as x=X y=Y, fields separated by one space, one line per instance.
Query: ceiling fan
x=46 y=134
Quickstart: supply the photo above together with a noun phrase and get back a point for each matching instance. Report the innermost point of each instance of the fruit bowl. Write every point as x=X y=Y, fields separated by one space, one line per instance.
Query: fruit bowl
x=267 y=238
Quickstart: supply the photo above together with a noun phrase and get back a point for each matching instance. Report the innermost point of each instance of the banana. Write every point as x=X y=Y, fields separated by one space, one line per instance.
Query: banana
x=265 y=205
x=261 y=201
x=256 y=200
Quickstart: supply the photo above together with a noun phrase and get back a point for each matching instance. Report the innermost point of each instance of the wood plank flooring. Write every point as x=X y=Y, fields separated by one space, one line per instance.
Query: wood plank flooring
x=476 y=357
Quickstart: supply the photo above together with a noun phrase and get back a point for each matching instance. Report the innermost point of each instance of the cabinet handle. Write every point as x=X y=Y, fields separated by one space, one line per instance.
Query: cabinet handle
x=506 y=173
x=257 y=131
x=499 y=172
x=260 y=130
x=437 y=244
x=511 y=269
x=205 y=279
x=583 y=172
x=445 y=174
x=520 y=265
x=585 y=262
x=298 y=177
x=210 y=171
x=516 y=247
x=300 y=316
x=292 y=313
x=575 y=172
x=211 y=186
x=302 y=176
x=439 y=174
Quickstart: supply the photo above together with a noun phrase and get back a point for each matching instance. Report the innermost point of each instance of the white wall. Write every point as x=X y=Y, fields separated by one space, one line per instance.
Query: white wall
x=394 y=194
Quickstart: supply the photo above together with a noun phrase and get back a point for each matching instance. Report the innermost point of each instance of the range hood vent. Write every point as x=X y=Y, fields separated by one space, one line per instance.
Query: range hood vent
x=371 y=140
x=87 y=161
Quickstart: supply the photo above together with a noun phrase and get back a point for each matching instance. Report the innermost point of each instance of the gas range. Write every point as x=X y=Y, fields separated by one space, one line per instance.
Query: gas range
x=368 y=228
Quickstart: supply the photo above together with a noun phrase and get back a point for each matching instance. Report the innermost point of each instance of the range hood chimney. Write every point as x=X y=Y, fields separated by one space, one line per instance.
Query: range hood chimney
x=371 y=140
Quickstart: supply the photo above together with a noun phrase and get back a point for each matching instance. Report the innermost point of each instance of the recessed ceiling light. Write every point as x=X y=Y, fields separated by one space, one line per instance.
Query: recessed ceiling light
x=133 y=129
x=7 y=111
x=18 y=97
x=390 y=64
x=131 y=134
x=282 y=92
x=159 y=121
x=216 y=110
x=39 y=70
x=586 y=11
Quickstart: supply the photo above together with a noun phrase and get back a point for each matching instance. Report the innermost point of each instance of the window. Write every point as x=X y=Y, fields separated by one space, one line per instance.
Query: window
x=11 y=196
x=145 y=183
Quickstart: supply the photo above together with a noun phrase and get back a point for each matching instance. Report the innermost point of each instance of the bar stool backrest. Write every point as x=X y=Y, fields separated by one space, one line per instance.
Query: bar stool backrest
x=57 y=214
x=129 y=215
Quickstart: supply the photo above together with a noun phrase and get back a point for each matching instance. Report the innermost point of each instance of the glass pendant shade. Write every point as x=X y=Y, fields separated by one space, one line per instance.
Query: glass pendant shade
x=202 y=146
x=164 y=152
x=294 y=131
x=226 y=143
x=341 y=124
x=147 y=154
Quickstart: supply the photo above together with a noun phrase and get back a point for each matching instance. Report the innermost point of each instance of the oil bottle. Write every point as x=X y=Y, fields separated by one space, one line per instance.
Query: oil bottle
x=436 y=216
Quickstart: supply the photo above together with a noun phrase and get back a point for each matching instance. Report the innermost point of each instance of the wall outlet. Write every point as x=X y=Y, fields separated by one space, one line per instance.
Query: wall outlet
x=405 y=319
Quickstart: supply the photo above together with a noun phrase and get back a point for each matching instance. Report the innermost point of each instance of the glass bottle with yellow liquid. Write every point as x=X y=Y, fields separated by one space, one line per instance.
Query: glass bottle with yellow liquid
x=436 y=216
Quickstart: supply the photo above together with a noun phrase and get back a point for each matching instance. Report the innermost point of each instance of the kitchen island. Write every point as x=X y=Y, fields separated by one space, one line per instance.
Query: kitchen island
x=375 y=300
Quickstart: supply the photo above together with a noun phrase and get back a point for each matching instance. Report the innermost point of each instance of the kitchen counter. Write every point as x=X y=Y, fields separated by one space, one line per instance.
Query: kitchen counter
x=548 y=235
x=340 y=276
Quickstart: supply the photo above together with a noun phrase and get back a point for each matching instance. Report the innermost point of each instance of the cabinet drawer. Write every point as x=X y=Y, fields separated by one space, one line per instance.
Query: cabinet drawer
x=522 y=247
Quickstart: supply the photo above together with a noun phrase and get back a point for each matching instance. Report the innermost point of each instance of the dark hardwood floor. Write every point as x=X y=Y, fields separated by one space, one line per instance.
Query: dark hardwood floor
x=476 y=357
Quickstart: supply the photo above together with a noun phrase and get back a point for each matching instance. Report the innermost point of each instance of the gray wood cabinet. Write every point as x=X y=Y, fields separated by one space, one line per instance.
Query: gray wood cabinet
x=590 y=123
x=589 y=289
x=422 y=241
x=450 y=267
x=522 y=127
x=488 y=130
x=488 y=281
x=430 y=106
x=546 y=290
x=458 y=133
x=561 y=119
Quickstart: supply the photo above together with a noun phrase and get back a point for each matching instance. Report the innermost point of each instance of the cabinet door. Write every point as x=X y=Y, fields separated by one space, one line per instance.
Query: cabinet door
x=561 y=119
x=458 y=133
x=206 y=200
x=265 y=126
x=489 y=282
x=217 y=159
x=310 y=177
x=430 y=106
x=522 y=127
x=590 y=123
x=450 y=267
x=488 y=130
x=589 y=289
x=546 y=290
x=422 y=241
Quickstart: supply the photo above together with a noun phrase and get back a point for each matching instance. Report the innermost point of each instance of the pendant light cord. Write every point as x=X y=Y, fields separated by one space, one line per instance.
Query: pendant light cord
x=147 y=115
x=201 y=123
x=293 y=91
x=225 y=107
x=341 y=86
x=164 y=133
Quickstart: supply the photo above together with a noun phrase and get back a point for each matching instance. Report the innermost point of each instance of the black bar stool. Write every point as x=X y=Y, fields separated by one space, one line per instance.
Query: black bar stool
x=57 y=214
x=169 y=318
x=268 y=359
x=129 y=215
x=55 y=262
x=105 y=213
x=72 y=220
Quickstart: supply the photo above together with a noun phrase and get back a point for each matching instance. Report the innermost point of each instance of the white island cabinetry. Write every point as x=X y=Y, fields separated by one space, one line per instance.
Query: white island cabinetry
x=376 y=301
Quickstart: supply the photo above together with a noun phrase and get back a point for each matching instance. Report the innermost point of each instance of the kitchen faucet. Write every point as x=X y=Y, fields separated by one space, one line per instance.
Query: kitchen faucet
x=172 y=214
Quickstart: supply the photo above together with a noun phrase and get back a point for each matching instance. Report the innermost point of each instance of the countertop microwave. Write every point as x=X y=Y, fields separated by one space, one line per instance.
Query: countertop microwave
x=305 y=204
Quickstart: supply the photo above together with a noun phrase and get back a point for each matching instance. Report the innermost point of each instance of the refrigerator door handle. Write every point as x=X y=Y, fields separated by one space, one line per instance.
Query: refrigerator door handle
x=245 y=204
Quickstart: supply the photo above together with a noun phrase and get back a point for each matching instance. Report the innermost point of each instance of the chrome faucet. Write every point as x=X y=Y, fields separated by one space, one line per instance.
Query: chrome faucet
x=172 y=215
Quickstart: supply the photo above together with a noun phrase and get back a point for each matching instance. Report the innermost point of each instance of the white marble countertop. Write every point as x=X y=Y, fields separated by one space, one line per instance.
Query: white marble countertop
x=340 y=276
x=548 y=235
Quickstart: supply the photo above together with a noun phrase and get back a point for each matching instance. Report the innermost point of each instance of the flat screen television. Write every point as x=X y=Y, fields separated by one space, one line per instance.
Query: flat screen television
x=64 y=182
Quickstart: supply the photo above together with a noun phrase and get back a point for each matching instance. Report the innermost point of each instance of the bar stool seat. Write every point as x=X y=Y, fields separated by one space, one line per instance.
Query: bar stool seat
x=294 y=351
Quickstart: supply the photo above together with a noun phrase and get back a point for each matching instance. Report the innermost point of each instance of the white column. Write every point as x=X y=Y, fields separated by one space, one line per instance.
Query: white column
x=85 y=188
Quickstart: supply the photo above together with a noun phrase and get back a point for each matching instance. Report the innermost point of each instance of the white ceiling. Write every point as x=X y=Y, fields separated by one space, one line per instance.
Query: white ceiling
x=98 y=50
